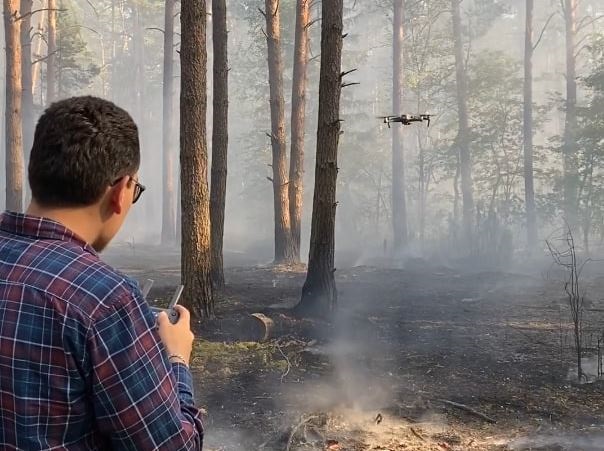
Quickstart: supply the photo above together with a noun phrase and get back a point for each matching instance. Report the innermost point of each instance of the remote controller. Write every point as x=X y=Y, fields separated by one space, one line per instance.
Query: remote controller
x=173 y=315
x=147 y=287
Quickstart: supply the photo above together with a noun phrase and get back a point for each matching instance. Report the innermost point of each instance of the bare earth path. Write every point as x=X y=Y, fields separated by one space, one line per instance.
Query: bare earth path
x=386 y=374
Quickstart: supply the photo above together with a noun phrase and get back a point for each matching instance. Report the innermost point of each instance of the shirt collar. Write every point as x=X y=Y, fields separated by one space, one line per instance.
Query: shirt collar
x=40 y=228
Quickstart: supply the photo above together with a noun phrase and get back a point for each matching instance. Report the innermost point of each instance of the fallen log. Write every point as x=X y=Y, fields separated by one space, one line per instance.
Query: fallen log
x=468 y=409
x=267 y=324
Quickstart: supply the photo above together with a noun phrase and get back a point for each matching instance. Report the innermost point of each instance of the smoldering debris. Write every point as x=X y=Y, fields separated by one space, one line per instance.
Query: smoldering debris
x=355 y=430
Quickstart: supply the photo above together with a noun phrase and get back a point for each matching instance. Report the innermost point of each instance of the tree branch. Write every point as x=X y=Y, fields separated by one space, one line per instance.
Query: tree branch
x=31 y=13
x=276 y=9
x=582 y=25
x=543 y=30
x=312 y=22
x=156 y=29
x=44 y=58
x=343 y=74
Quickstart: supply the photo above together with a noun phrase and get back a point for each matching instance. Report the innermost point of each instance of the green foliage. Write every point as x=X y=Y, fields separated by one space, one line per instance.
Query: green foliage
x=590 y=140
x=76 y=63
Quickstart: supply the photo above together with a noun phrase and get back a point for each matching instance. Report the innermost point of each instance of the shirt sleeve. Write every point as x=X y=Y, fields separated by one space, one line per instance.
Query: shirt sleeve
x=140 y=400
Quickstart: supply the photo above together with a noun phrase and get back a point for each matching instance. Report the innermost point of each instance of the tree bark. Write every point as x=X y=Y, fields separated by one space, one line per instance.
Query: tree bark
x=27 y=99
x=283 y=237
x=319 y=294
x=463 y=135
x=168 y=229
x=195 y=247
x=399 y=202
x=37 y=68
x=296 y=167
x=139 y=65
x=220 y=137
x=13 y=133
x=571 y=176
x=529 y=191
x=51 y=61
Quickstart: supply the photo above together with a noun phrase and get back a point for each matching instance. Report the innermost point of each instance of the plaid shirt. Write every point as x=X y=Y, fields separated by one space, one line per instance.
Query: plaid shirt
x=81 y=363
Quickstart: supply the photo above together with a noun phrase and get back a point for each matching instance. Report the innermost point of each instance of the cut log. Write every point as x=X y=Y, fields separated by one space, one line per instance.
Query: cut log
x=267 y=324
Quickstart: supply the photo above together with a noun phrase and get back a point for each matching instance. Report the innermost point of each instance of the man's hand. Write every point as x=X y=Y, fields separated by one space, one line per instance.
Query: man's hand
x=177 y=338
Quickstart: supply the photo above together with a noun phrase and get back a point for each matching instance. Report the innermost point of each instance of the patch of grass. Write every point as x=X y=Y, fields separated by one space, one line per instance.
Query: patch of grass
x=228 y=358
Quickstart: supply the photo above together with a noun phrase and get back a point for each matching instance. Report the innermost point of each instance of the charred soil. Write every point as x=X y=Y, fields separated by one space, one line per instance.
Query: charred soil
x=419 y=358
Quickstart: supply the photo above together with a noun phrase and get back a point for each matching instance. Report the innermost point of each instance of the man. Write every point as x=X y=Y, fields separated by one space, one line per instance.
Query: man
x=84 y=365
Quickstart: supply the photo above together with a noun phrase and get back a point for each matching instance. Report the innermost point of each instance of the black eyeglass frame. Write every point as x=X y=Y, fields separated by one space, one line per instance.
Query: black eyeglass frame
x=139 y=188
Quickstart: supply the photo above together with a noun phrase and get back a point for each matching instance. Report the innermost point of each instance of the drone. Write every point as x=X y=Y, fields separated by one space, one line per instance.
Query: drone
x=406 y=119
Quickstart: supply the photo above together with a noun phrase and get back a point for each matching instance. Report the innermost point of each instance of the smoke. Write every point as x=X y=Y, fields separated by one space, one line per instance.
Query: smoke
x=561 y=442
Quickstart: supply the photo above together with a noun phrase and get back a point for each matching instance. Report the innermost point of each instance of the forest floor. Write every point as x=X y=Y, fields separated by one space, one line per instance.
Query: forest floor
x=406 y=345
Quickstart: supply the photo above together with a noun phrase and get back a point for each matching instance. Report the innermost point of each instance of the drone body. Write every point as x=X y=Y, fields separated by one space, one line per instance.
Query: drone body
x=407 y=119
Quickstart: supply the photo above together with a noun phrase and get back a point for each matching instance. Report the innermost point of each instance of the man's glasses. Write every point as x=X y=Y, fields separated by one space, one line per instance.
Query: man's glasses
x=139 y=188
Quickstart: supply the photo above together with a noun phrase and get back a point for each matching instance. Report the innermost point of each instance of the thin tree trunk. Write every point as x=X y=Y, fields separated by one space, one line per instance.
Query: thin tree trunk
x=422 y=194
x=51 y=61
x=139 y=64
x=319 y=294
x=220 y=137
x=399 y=201
x=168 y=230
x=113 y=52
x=529 y=191
x=195 y=247
x=456 y=194
x=296 y=168
x=283 y=237
x=463 y=136
x=570 y=128
x=27 y=99
x=36 y=69
x=13 y=131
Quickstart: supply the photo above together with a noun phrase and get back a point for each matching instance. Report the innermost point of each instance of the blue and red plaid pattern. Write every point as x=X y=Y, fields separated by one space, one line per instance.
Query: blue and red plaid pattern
x=81 y=363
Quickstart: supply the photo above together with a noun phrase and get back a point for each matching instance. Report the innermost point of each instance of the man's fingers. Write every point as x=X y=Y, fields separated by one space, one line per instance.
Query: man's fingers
x=183 y=312
x=162 y=318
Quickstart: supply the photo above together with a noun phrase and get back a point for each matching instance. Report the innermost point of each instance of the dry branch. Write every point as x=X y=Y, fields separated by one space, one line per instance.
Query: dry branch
x=417 y=434
x=303 y=422
x=468 y=409
x=289 y=365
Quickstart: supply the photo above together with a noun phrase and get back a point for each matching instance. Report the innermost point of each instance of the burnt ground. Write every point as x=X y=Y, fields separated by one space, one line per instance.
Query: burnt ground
x=404 y=340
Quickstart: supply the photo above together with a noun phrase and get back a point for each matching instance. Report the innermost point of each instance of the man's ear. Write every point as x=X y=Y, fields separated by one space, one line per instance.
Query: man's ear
x=117 y=195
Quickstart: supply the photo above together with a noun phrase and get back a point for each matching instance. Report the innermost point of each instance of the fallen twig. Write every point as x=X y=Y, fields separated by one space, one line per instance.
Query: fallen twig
x=289 y=365
x=303 y=421
x=417 y=434
x=468 y=409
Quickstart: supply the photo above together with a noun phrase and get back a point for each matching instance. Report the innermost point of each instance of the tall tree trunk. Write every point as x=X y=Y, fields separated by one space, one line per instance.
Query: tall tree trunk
x=27 y=99
x=319 y=294
x=571 y=177
x=283 y=237
x=422 y=191
x=399 y=202
x=37 y=68
x=529 y=191
x=463 y=135
x=51 y=61
x=296 y=163
x=220 y=137
x=113 y=41
x=195 y=247
x=13 y=131
x=139 y=65
x=168 y=229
